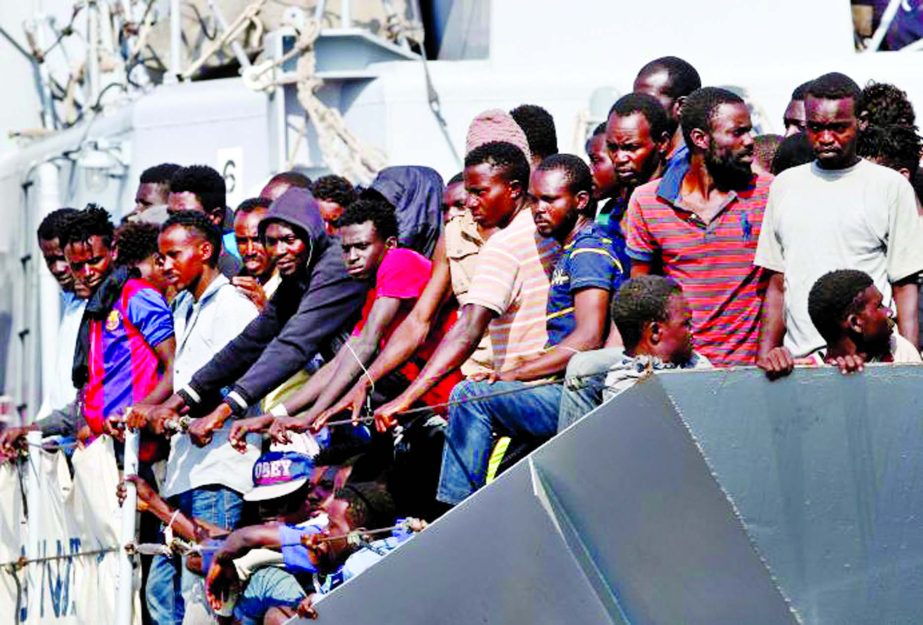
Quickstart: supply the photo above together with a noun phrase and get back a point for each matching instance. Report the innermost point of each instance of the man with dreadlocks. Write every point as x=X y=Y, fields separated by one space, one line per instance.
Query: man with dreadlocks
x=136 y=247
x=125 y=346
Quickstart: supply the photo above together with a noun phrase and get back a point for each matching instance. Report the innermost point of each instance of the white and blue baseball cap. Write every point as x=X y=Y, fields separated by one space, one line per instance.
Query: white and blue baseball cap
x=279 y=473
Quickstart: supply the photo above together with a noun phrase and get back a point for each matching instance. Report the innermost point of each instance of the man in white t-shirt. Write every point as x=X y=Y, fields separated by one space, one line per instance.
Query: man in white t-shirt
x=849 y=312
x=208 y=482
x=839 y=212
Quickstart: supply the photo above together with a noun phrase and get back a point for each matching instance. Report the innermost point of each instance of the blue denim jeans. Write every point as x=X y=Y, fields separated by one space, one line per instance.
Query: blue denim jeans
x=529 y=413
x=268 y=587
x=169 y=583
x=162 y=592
x=584 y=383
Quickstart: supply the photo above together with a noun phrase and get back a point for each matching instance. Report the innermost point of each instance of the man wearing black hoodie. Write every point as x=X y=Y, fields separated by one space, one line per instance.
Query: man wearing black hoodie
x=316 y=306
x=415 y=192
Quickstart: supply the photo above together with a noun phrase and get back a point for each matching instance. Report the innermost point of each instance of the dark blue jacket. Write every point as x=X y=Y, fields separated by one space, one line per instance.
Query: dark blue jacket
x=416 y=194
x=308 y=314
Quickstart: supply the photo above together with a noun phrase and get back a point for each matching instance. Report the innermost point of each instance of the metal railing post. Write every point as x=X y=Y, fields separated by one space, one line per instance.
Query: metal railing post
x=125 y=596
x=33 y=485
x=887 y=17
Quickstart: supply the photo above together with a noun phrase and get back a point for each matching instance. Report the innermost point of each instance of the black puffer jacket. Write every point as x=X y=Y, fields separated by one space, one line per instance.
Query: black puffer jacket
x=307 y=315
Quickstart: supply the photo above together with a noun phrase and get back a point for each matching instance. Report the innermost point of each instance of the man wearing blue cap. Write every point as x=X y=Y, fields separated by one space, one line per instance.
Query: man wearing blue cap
x=288 y=502
x=276 y=590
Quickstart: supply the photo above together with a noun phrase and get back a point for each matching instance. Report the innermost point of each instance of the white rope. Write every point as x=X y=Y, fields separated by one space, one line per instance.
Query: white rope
x=368 y=396
x=341 y=151
x=235 y=29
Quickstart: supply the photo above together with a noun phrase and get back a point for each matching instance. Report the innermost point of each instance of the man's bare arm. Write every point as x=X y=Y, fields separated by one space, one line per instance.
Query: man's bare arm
x=772 y=357
x=591 y=316
x=357 y=353
x=640 y=268
x=906 y=297
x=408 y=336
x=406 y=339
x=164 y=389
x=453 y=350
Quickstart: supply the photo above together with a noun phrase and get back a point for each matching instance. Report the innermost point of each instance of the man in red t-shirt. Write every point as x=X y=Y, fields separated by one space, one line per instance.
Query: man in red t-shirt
x=368 y=232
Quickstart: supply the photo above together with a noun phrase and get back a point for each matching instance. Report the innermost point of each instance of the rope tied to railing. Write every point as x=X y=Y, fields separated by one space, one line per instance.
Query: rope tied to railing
x=182 y=423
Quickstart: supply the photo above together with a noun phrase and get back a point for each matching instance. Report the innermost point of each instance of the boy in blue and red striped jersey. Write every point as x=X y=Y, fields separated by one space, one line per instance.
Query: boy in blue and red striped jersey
x=701 y=223
x=125 y=346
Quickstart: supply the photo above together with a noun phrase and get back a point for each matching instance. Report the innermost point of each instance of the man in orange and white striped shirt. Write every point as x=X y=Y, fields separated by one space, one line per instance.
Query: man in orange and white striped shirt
x=509 y=290
x=509 y=403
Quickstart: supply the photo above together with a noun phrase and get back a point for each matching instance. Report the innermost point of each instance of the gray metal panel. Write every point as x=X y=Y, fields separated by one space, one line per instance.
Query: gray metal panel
x=826 y=472
x=354 y=49
x=498 y=559
x=658 y=525
x=694 y=497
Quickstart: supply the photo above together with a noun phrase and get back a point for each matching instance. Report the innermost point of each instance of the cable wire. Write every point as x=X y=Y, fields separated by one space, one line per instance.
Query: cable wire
x=22 y=562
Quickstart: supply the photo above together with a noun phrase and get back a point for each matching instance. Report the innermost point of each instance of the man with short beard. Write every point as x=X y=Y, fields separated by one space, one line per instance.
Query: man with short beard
x=637 y=137
x=701 y=223
x=258 y=278
x=583 y=281
x=638 y=134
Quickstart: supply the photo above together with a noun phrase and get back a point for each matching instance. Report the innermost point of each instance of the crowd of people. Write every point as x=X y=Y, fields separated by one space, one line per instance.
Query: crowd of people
x=323 y=370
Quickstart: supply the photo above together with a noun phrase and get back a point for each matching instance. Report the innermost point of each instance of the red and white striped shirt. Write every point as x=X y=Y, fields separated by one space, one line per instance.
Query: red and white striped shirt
x=712 y=262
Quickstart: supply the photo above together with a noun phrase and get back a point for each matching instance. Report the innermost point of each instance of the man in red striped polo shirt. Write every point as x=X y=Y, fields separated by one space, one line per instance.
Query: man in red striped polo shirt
x=701 y=223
